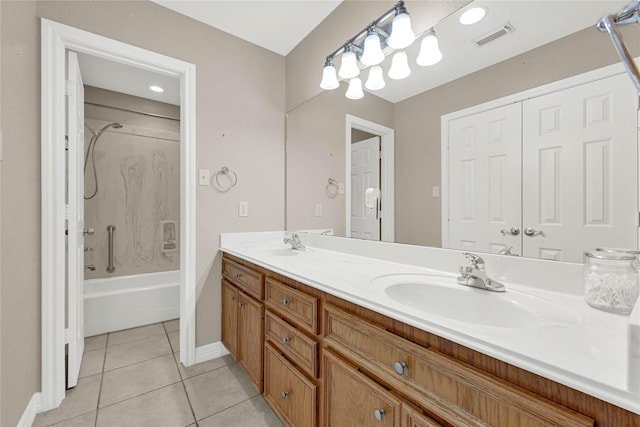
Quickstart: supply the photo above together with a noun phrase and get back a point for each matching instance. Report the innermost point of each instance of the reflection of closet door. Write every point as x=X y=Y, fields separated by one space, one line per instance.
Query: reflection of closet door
x=572 y=192
x=365 y=173
x=484 y=180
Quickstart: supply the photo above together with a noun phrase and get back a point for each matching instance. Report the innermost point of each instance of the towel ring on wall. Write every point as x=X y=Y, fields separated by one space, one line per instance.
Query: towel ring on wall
x=332 y=188
x=233 y=177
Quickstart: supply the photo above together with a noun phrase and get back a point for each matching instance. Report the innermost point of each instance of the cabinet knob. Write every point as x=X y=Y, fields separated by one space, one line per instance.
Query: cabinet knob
x=400 y=367
x=233 y=297
x=378 y=414
x=286 y=301
x=284 y=394
x=240 y=304
x=236 y=275
x=285 y=340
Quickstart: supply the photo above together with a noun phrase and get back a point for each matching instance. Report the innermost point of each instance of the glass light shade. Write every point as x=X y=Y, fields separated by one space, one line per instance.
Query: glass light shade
x=429 y=51
x=329 y=79
x=375 y=80
x=349 y=66
x=372 y=54
x=473 y=15
x=354 y=91
x=399 y=66
x=402 y=34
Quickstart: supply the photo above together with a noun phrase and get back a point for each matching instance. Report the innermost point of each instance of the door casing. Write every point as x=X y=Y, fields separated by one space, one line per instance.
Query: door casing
x=56 y=39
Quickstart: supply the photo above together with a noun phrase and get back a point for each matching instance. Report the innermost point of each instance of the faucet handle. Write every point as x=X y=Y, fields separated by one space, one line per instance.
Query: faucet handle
x=475 y=260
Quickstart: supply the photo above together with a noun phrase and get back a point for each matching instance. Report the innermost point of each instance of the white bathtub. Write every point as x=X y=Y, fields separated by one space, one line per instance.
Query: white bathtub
x=123 y=302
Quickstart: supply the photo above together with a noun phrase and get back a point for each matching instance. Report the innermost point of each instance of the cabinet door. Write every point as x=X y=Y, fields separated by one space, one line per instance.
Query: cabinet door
x=230 y=318
x=251 y=338
x=414 y=418
x=351 y=399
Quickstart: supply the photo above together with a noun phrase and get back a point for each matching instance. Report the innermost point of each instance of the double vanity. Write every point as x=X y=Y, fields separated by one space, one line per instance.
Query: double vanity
x=342 y=332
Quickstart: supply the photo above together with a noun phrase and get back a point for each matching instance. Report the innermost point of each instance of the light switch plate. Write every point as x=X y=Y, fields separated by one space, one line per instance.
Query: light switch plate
x=243 y=209
x=318 y=209
x=341 y=188
x=204 y=176
x=435 y=191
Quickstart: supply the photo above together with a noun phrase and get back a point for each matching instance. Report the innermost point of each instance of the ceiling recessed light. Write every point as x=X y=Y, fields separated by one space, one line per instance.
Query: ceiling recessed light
x=157 y=89
x=473 y=15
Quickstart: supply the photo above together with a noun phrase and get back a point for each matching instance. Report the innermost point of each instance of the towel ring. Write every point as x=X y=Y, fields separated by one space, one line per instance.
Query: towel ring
x=332 y=189
x=232 y=176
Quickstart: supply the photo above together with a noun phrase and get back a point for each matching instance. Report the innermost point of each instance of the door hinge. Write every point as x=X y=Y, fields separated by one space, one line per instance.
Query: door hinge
x=68 y=87
x=66 y=336
x=66 y=212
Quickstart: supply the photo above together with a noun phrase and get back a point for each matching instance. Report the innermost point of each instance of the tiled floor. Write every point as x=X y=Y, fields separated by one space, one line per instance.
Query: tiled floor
x=134 y=378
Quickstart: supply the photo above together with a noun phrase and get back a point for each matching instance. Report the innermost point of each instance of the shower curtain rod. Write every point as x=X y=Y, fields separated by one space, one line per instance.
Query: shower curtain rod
x=158 y=116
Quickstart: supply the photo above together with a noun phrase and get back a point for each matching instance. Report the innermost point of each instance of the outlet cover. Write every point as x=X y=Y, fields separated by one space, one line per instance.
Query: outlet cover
x=318 y=209
x=435 y=191
x=243 y=209
x=341 y=188
x=204 y=177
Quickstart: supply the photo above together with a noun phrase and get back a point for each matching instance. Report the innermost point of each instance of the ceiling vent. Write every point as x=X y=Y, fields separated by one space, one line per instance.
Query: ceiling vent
x=494 y=35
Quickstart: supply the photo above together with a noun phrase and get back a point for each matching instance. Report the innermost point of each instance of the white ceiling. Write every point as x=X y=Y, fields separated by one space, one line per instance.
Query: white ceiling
x=281 y=25
x=275 y=25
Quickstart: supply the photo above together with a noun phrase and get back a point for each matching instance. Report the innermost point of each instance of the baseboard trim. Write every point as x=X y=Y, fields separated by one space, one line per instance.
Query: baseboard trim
x=30 y=412
x=210 y=351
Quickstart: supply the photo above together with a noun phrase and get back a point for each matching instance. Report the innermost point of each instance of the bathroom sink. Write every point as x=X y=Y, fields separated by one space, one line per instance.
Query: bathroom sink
x=442 y=296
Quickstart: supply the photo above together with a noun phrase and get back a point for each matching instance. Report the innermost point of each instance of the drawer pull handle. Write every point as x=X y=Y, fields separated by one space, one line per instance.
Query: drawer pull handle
x=378 y=414
x=286 y=302
x=285 y=340
x=236 y=275
x=284 y=394
x=240 y=304
x=400 y=367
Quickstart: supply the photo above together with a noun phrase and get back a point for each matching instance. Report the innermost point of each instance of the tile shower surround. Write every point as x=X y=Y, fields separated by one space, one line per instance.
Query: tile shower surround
x=134 y=378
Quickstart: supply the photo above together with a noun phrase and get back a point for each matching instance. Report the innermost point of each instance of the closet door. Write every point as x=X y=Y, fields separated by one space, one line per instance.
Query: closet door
x=484 y=181
x=580 y=170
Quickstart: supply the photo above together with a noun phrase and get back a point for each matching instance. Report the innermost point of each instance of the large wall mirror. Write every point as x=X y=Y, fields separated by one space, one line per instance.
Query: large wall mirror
x=547 y=42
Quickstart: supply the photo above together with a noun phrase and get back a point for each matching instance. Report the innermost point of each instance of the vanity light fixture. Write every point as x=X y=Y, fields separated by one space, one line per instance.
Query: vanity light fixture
x=399 y=66
x=349 y=67
x=329 y=78
x=390 y=32
x=354 y=91
x=155 y=88
x=430 y=53
x=375 y=81
x=472 y=16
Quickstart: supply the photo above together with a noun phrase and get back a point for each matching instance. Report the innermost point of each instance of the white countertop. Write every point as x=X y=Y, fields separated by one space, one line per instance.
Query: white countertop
x=594 y=354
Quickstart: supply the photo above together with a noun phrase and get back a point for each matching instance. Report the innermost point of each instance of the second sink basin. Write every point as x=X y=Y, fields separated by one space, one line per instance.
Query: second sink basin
x=442 y=296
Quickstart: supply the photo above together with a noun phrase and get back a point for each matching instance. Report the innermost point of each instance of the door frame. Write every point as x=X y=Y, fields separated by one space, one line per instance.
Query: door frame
x=387 y=197
x=566 y=83
x=56 y=38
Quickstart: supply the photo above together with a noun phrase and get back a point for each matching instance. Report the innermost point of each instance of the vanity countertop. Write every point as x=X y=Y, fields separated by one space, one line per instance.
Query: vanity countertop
x=598 y=353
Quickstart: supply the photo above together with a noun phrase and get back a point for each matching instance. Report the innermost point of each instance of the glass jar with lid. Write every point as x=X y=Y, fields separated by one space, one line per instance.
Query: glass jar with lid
x=611 y=281
x=634 y=252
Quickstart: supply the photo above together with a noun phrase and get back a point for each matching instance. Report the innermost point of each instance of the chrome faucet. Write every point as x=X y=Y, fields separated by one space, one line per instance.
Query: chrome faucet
x=506 y=250
x=475 y=276
x=294 y=240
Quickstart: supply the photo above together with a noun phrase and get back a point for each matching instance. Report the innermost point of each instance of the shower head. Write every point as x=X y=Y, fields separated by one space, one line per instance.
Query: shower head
x=116 y=125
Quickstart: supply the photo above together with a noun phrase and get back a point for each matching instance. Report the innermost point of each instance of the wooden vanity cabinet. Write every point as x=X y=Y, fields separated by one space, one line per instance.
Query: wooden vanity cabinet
x=243 y=319
x=329 y=362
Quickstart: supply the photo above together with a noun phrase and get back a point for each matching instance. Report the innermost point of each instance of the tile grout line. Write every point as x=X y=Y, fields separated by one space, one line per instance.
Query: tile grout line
x=104 y=362
x=184 y=387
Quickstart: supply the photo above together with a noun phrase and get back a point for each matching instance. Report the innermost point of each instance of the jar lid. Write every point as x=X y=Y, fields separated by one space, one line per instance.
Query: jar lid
x=635 y=252
x=614 y=256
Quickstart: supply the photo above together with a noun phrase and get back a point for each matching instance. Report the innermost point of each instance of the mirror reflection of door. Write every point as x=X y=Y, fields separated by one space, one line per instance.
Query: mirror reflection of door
x=538 y=175
x=365 y=174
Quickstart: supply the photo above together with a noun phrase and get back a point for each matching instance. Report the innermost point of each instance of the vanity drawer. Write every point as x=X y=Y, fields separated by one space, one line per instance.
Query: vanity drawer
x=290 y=394
x=293 y=343
x=447 y=389
x=292 y=304
x=246 y=279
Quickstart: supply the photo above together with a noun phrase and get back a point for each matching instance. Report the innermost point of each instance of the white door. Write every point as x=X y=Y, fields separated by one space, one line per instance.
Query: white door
x=365 y=174
x=75 y=222
x=484 y=181
x=574 y=199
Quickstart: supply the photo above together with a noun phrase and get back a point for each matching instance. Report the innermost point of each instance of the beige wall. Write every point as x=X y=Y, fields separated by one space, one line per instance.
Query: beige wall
x=240 y=106
x=316 y=152
x=417 y=120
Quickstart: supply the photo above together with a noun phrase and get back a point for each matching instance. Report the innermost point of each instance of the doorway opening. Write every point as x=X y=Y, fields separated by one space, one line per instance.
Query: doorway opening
x=369 y=196
x=62 y=291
